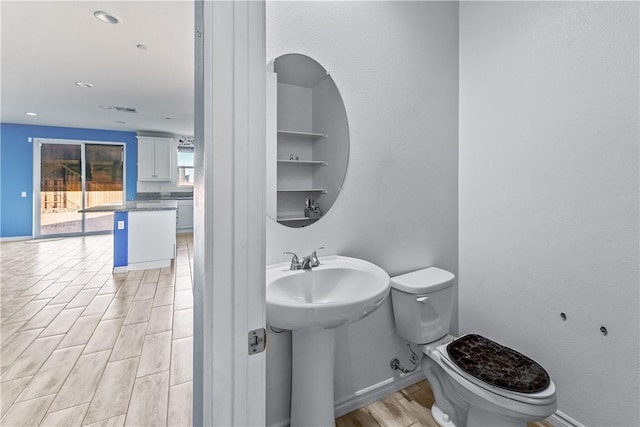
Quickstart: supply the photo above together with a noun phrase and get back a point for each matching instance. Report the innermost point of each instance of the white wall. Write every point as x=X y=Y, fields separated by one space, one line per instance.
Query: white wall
x=549 y=193
x=400 y=199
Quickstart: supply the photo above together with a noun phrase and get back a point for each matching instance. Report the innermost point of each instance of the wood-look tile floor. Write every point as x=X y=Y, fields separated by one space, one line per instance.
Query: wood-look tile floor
x=408 y=407
x=82 y=346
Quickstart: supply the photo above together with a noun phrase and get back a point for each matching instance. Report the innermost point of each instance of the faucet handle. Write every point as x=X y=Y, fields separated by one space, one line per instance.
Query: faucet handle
x=290 y=253
x=295 y=261
x=314 y=257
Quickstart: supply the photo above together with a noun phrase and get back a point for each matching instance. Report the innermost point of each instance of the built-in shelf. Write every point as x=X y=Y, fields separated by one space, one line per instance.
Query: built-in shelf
x=305 y=134
x=303 y=162
x=302 y=190
x=299 y=217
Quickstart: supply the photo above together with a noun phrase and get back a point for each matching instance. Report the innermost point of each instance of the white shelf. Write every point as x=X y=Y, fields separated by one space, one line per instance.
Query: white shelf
x=303 y=162
x=299 y=217
x=304 y=134
x=302 y=190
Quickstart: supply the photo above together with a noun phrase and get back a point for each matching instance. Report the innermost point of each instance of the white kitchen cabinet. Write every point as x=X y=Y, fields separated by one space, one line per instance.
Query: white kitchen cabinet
x=154 y=159
x=184 y=220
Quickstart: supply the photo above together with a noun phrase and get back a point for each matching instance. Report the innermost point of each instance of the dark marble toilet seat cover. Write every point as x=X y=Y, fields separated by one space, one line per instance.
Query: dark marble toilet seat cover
x=497 y=365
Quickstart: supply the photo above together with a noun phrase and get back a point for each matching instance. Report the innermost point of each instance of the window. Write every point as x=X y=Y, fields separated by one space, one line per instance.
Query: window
x=185 y=166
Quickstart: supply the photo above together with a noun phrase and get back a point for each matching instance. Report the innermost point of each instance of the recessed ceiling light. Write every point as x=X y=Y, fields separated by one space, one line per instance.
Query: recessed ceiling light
x=120 y=121
x=141 y=46
x=106 y=17
x=83 y=84
x=167 y=118
x=105 y=107
x=28 y=113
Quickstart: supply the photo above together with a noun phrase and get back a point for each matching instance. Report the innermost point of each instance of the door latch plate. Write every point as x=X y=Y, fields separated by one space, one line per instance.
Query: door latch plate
x=257 y=341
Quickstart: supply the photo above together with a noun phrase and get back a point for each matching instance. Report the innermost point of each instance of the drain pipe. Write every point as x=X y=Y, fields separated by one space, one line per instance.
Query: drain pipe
x=415 y=359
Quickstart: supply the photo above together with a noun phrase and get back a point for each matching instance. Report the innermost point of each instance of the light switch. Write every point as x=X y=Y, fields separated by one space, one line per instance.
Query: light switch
x=120 y=225
x=23 y=194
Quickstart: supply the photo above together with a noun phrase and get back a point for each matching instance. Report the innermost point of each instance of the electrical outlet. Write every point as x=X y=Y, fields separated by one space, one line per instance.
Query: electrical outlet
x=120 y=225
x=23 y=194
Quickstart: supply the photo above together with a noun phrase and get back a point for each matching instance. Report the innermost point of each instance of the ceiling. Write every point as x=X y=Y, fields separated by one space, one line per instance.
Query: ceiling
x=49 y=46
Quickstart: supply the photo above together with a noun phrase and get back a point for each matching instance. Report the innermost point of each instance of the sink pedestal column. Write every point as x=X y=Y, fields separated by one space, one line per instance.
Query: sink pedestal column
x=312 y=358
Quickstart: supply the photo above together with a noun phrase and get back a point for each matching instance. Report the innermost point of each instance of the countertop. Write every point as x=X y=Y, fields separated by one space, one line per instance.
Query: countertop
x=136 y=205
x=174 y=195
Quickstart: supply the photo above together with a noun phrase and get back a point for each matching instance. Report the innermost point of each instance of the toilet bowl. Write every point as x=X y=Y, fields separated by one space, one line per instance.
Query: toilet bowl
x=470 y=401
x=475 y=381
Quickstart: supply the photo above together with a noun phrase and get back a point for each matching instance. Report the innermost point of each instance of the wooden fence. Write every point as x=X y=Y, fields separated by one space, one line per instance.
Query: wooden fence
x=72 y=200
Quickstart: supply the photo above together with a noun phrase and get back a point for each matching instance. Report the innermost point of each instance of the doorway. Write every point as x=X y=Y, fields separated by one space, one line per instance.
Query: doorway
x=70 y=176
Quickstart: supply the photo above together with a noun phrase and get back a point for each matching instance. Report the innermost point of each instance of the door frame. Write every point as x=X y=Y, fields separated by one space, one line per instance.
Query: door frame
x=229 y=203
x=37 y=158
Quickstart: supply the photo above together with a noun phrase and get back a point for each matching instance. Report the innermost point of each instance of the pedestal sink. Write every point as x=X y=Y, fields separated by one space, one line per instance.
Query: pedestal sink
x=312 y=304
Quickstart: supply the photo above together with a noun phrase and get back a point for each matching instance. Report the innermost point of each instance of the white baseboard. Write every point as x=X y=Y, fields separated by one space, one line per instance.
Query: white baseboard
x=368 y=395
x=14 y=239
x=148 y=265
x=376 y=392
x=560 y=419
x=389 y=386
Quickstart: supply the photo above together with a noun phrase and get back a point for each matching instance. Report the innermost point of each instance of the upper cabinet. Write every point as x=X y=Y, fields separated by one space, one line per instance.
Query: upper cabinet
x=154 y=158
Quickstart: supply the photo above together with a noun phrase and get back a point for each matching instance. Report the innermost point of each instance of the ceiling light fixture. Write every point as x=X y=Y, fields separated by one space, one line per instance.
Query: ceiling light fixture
x=106 y=17
x=28 y=113
x=83 y=84
x=141 y=46
x=105 y=107
x=120 y=121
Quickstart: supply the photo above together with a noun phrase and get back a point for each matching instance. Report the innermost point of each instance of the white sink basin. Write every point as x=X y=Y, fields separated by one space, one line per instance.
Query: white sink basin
x=313 y=303
x=339 y=291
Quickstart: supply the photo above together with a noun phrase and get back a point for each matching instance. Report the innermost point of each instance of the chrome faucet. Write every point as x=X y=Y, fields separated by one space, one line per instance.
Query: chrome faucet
x=312 y=260
x=295 y=262
x=307 y=262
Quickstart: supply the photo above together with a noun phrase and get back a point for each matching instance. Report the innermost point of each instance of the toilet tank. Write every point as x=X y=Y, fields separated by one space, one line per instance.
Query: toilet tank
x=422 y=304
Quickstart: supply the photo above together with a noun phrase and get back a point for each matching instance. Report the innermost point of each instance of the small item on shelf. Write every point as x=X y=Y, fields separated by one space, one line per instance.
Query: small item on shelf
x=312 y=209
x=297 y=158
x=290 y=156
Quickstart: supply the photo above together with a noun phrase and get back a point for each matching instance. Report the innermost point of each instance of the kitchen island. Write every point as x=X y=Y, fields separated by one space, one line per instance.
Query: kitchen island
x=144 y=234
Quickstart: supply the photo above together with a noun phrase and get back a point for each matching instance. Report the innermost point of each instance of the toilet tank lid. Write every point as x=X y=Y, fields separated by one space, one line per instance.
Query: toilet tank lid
x=423 y=281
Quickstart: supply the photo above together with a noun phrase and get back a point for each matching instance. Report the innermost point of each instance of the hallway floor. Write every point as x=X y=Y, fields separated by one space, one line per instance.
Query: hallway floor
x=82 y=346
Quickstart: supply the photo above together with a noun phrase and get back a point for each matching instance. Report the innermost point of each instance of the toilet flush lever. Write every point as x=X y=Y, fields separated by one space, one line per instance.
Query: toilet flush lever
x=423 y=300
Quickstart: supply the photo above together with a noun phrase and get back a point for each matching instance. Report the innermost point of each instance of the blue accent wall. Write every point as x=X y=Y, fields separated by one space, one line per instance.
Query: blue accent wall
x=121 y=240
x=16 y=169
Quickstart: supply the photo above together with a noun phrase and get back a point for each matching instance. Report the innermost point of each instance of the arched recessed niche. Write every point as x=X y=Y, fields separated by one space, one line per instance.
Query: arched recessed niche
x=307 y=141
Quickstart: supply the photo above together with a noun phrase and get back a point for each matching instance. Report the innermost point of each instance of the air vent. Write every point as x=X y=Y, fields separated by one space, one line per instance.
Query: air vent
x=126 y=109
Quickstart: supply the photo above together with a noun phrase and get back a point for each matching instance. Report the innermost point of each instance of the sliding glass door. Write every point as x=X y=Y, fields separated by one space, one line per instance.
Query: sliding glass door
x=75 y=175
x=60 y=188
x=104 y=183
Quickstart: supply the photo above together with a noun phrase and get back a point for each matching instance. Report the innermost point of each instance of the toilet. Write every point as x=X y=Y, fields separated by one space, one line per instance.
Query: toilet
x=476 y=382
